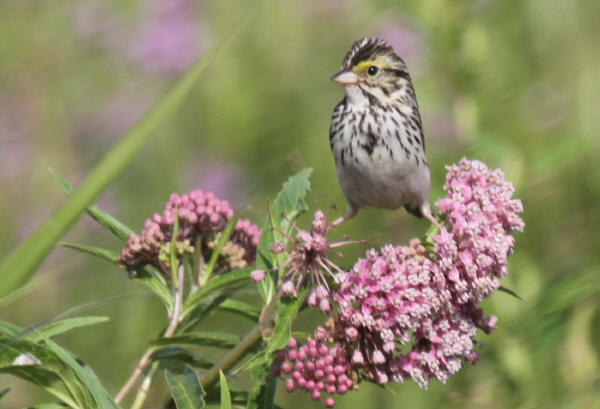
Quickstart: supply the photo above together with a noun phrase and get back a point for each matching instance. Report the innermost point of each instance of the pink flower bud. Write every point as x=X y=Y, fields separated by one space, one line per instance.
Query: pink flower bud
x=257 y=275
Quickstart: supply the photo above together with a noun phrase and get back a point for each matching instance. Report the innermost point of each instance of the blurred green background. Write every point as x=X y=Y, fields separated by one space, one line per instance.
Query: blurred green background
x=515 y=83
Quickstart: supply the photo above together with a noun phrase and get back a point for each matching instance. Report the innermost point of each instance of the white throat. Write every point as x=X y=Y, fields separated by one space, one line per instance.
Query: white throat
x=355 y=97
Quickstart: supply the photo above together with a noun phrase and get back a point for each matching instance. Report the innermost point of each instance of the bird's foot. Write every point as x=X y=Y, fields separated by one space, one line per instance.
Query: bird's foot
x=349 y=214
x=426 y=212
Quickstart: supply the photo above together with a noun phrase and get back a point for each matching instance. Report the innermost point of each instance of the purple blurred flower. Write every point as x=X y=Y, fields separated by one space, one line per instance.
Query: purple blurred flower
x=168 y=38
x=200 y=215
x=406 y=39
x=218 y=175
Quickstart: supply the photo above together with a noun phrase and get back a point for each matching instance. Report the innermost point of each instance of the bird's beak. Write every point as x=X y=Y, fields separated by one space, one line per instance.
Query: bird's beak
x=346 y=77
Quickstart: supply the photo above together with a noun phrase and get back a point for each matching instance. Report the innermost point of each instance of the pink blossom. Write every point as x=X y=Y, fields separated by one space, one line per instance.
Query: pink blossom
x=318 y=369
x=480 y=217
x=200 y=215
x=308 y=256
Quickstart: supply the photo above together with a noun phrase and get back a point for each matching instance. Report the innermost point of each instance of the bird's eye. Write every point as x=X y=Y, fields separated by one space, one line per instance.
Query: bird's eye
x=372 y=70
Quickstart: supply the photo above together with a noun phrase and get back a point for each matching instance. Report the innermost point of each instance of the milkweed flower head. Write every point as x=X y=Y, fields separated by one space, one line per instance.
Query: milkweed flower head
x=308 y=257
x=480 y=218
x=389 y=299
x=201 y=216
x=319 y=369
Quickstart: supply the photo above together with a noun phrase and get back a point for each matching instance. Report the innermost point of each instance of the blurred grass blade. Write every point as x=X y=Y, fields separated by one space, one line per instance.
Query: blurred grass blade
x=225 y=395
x=117 y=227
x=20 y=265
x=4 y=392
x=186 y=389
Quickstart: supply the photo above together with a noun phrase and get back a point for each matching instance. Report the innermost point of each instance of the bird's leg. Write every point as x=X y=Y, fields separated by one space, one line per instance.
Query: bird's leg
x=426 y=212
x=350 y=213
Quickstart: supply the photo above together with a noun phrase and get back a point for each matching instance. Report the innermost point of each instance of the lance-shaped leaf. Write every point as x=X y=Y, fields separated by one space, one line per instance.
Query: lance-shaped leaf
x=114 y=225
x=225 y=395
x=86 y=376
x=222 y=240
x=209 y=339
x=41 y=365
x=153 y=280
x=175 y=358
x=55 y=328
x=186 y=389
x=216 y=283
x=240 y=308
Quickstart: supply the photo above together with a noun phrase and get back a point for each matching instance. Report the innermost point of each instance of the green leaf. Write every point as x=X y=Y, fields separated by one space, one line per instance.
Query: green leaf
x=174 y=359
x=104 y=254
x=174 y=261
x=59 y=327
x=225 y=395
x=291 y=202
x=240 y=308
x=38 y=364
x=153 y=281
x=186 y=389
x=48 y=406
x=223 y=239
x=262 y=396
x=216 y=283
x=288 y=308
x=209 y=339
x=6 y=328
x=238 y=398
x=86 y=376
x=20 y=265
x=201 y=310
x=117 y=227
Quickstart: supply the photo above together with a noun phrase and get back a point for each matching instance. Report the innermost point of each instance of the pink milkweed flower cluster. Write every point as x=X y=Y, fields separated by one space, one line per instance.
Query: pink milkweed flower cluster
x=411 y=312
x=480 y=217
x=200 y=216
x=308 y=256
x=316 y=368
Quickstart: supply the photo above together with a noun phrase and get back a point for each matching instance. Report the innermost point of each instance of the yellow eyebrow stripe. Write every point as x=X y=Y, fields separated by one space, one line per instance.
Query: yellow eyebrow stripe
x=364 y=64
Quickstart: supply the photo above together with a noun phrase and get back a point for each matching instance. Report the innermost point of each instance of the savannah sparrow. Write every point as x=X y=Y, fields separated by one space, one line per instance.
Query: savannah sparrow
x=376 y=135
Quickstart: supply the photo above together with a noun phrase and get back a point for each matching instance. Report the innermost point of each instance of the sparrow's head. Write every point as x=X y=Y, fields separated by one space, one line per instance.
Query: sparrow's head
x=372 y=65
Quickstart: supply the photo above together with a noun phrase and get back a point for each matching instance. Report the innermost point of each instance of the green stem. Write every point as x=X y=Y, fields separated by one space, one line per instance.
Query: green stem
x=211 y=376
x=145 y=387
